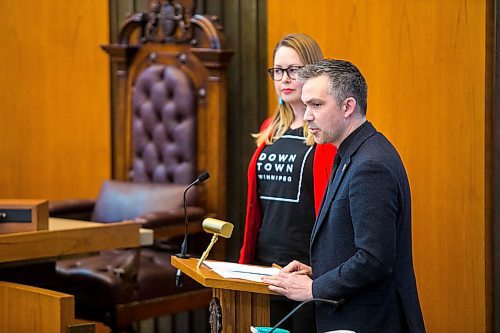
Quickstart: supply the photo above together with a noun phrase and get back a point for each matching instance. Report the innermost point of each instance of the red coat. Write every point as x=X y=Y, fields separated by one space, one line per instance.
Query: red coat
x=322 y=165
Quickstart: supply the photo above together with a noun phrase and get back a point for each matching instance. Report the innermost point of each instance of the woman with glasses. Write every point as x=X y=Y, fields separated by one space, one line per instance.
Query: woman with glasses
x=287 y=177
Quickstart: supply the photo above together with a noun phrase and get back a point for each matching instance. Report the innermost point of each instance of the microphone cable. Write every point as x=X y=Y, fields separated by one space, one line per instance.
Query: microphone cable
x=336 y=303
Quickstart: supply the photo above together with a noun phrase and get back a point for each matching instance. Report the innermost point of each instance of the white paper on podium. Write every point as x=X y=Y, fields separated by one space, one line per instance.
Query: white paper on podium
x=232 y=270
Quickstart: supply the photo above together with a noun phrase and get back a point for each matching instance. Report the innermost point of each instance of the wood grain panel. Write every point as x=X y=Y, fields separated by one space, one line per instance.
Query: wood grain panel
x=67 y=237
x=260 y=310
x=228 y=303
x=29 y=309
x=54 y=99
x=425 y=66
x=243 y=305
x=245 y=26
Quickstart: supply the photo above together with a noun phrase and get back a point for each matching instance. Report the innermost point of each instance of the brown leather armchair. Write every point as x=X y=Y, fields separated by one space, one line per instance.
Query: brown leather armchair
x=169 y=124
x=121 y=286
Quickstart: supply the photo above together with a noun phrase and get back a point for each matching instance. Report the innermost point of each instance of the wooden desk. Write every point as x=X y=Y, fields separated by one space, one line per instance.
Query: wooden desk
x=146 y=235
x=67 y=237
x=31 y=309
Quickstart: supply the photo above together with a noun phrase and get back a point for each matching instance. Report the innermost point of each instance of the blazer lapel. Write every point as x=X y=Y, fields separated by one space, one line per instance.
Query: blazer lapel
x=330 y=195
x=332 y=190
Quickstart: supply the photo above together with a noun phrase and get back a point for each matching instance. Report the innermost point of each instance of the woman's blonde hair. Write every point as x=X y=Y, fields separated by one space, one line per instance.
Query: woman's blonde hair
x=309 y=52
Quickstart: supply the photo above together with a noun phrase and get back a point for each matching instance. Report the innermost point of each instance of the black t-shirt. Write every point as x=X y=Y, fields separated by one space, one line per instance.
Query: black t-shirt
x=286 y=191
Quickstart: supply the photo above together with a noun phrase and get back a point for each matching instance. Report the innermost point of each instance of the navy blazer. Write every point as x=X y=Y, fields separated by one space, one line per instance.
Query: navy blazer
x=361 y=247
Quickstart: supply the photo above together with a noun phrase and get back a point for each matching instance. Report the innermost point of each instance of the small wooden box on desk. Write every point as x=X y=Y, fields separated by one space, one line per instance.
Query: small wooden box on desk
x=21 y=215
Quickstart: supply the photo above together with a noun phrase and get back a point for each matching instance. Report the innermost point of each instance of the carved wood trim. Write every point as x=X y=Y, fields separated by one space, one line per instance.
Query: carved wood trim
x=172 y=22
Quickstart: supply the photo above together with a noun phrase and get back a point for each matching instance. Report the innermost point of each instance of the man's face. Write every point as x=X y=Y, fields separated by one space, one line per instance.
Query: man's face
x=325 y=118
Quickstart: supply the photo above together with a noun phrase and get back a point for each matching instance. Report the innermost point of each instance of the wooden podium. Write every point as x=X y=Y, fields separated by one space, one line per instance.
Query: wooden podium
x=243 y=303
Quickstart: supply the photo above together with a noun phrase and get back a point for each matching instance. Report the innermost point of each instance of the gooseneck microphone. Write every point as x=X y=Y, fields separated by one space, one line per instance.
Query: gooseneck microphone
x=330 y=301
x=179 y=277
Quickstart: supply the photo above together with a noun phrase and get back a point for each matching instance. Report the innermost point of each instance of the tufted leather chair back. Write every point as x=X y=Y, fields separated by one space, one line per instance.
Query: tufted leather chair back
x=164 y=126
x=169 y=119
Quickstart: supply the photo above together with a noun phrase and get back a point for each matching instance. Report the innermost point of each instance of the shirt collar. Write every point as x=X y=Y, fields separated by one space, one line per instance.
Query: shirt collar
x=350 y=138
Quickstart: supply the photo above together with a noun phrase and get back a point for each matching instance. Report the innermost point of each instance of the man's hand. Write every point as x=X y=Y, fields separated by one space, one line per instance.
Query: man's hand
x=297 y=267
x=293 y=281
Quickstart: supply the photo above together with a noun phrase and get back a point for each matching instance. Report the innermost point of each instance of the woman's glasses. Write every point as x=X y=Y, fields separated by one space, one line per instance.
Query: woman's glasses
x=277 y=73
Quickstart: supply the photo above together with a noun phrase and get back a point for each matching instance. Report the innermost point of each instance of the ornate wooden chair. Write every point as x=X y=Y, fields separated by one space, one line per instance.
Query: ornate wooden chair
x=169 y=124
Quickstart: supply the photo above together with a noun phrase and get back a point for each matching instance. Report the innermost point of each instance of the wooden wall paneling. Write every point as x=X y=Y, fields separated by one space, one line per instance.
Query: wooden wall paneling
x=491 y=19
x=119 y=11
x=53 y=99
x=245 y=27
x=214 y=7
x=31 y=309
x=495 y=162
x=141 y=5
x=244 y=23
x=235 y=121
x=426 y=73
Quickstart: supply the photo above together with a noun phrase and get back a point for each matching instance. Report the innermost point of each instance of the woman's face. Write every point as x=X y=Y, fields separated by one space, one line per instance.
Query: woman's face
x=287 y=88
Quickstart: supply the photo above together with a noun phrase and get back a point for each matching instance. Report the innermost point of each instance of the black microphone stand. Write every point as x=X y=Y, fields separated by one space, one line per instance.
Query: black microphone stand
x=179 y=277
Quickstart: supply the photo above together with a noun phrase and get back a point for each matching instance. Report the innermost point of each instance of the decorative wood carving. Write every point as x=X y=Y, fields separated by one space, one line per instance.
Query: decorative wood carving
x=215 y=318
x=172 y=21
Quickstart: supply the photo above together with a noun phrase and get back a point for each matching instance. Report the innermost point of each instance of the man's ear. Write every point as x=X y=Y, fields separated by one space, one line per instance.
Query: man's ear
x=349 y=106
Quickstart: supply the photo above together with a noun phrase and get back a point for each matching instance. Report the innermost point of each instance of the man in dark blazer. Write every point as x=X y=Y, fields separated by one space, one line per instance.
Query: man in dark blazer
x=361 y=246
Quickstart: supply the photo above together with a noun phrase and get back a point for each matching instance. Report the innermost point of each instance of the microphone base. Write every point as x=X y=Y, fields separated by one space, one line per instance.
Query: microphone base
x=182 y=255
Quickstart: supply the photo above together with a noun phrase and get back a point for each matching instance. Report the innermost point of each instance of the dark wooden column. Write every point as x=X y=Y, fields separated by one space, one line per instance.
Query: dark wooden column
x=245 y=27
x=492 y=60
